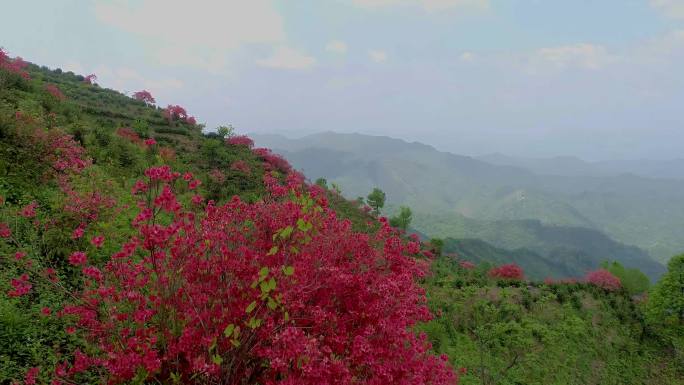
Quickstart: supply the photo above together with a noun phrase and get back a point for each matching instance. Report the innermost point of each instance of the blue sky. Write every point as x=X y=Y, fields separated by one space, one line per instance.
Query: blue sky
x=595 y=79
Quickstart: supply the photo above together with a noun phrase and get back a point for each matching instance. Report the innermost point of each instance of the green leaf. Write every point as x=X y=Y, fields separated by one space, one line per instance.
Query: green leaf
x=251 y=307
x=235 y=342
x=271 y=304
x=216 y=359
x=286 y=316
x=273 y=250
x=229 y=330
x=263 y=272
x=286 y=232
x=288 y=270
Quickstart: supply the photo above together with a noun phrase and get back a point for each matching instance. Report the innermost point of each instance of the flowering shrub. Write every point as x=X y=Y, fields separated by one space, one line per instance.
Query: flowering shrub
x=278 y=291
x=272 y=161
x=55 y=91
x=510 y=271
x=175 y=112
x=144 y=96
x=90 y=79
x=191 y=120
x=603 y=279
x=466 y=265
x=241 y=166
x=240 y=140
x=15 y=65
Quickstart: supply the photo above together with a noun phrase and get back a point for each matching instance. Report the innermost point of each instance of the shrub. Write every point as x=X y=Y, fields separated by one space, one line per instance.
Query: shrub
x=509 y=271
x=604 y=279
x=278 y=291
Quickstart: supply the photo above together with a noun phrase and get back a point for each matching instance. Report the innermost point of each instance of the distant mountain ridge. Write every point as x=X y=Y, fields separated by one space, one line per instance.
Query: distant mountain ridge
x=634 y=210
x=573 y=166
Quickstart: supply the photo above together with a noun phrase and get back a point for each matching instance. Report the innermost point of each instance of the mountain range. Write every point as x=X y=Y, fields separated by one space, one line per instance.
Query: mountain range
x=624 y=208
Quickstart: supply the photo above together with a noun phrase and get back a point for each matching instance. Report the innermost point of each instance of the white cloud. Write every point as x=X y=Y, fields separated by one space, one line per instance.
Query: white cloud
x=336 y=46
x=428 y=5
x=583 y=56
x=288 y=58
x=196 y=34
x=671 y=8
x=377 y=56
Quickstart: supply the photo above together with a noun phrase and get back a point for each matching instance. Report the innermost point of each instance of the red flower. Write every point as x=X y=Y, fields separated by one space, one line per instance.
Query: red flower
x=78 y=233
x=78 y=258
x=45 y=311
x=150 y=142
x=97 y=241
x=5 y=231
x=29 y=211
x=30 y=378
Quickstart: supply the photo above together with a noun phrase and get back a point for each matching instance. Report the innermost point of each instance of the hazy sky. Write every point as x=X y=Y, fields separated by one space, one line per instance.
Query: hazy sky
x=598 y=79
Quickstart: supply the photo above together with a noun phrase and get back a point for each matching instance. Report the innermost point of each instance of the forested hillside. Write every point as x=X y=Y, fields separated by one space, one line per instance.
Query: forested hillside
x=136 y=248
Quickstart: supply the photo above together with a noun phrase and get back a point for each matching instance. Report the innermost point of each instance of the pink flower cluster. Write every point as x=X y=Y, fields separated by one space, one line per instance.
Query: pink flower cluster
x=240 y=140
x=603 y=279
x=144 y=96
x=15 y=65
x=510 y=271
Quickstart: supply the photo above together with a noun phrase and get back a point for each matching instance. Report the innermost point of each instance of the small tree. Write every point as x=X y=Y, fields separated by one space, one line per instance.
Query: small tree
x=144 y=96
x=403 y=219
x=225 y=131
x=376 y=200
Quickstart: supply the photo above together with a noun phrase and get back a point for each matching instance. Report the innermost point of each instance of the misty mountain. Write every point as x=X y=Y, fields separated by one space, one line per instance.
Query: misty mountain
x=631 y=209
x=573 y=166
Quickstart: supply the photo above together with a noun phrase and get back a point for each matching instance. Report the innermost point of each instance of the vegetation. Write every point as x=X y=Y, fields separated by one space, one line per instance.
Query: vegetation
x=135 y=249
x=501 y=330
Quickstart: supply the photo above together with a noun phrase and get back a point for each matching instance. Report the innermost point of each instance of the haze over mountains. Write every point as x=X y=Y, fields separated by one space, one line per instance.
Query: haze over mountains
x=600 y=210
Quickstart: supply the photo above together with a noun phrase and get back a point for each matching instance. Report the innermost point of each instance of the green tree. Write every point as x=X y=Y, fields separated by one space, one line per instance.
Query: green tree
x=665 y=308
x=437 y=245
x=376 y=200
x=403 y=219
x=225 y=131
x=322 y=182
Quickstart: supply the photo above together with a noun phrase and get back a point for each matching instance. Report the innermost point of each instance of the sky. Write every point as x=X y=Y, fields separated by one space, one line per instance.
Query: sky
x=597 y=79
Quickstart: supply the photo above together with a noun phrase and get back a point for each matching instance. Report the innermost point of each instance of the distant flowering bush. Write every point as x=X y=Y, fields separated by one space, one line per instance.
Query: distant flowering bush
x=90 y=79
x=15 y=65
x=55 y=91
x=509 y=271
x=272 y=161
x=603 y=279
x=144 y=96
x=466 y=265
x=240 y=140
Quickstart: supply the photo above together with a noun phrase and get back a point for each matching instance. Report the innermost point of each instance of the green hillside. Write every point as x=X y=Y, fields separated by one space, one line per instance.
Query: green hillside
x=572 y=250
x=512 y=332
